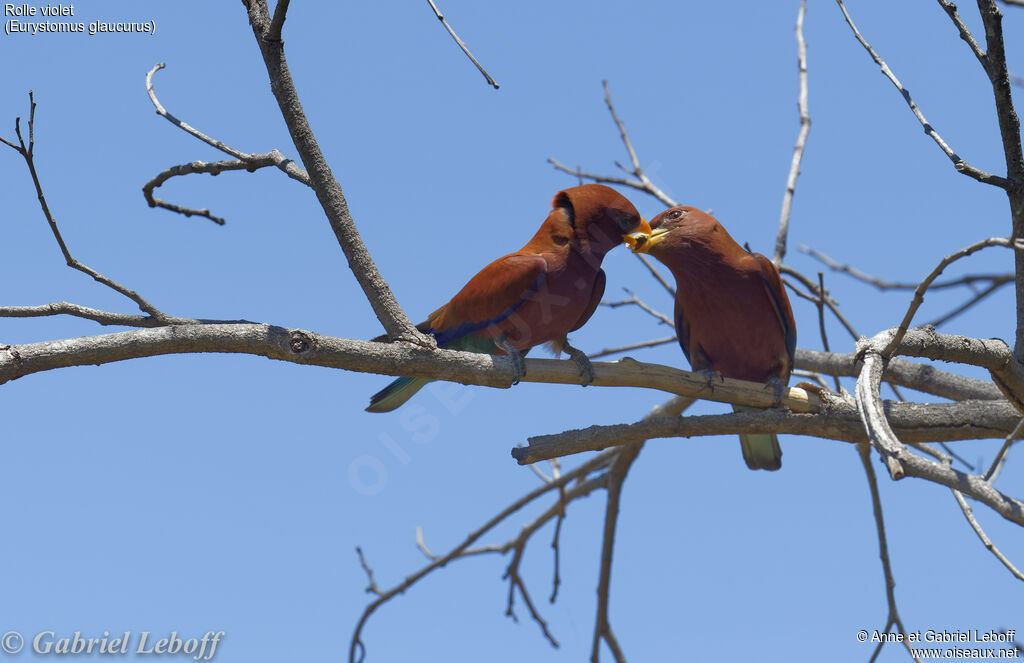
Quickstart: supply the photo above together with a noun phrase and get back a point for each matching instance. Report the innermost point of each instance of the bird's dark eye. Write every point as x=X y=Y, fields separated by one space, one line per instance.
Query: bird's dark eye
x=675 y=214
x=627 y=223
x=559 y=240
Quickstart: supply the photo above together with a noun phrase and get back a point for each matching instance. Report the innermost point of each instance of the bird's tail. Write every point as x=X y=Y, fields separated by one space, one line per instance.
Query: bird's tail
x=761 y=451
x=396 y=393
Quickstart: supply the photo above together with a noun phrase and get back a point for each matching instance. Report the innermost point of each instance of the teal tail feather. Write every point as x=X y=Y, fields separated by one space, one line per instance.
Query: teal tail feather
x=761 y=451
x=396 y=393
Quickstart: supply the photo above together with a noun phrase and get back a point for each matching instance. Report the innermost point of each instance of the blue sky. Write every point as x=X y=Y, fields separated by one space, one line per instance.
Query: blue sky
x=197 y=493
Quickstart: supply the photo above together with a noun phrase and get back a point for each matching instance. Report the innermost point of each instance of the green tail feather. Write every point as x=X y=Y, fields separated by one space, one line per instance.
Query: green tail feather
x=396 y=393
x=761 y=451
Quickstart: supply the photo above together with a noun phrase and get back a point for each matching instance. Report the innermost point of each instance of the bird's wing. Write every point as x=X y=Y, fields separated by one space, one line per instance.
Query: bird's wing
x=777 y=295
x=683 y=335
x=490 y=297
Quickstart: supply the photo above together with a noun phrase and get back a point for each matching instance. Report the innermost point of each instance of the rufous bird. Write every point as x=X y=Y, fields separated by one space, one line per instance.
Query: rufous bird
x=538 y=294
x=732 y=314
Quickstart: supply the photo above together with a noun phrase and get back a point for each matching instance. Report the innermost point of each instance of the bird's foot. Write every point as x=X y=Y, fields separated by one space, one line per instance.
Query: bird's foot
x=582 y=361
x=518 y=362
x=711 y=376
x=778 y=389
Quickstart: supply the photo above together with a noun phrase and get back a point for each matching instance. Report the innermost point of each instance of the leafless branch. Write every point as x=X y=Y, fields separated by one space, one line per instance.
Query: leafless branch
x=960 y=165
x=372 y=588
x=969 y=514
x=657 y=275
x=640 y=181
x=242 y=161
x=421 y=544
x=607 y=351
x=975 y=299
x=969 y=280
x=462 y=45
x=965 y=33
x=616 y=477
x=280 y=10
x=636 y=301
x=829 y=301
x=924 y=285
x=327 y=188
x=997 y=462
x=602 y=626
x=801 y=141
x=821 y=316
x=357 y=649
x=27 y=153
x=864 y=451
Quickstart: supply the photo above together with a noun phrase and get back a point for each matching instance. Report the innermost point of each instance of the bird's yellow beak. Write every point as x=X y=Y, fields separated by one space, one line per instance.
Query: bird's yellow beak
x=633 y=239
x=642 y=242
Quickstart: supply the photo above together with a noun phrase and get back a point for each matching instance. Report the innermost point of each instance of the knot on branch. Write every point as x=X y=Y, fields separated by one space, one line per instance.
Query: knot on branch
x=299 y=342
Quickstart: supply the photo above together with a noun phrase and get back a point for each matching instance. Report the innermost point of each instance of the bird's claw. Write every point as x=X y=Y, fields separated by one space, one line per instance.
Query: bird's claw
x=710 y=375
x=582 y=361
x=778 y=389
x=515 y=356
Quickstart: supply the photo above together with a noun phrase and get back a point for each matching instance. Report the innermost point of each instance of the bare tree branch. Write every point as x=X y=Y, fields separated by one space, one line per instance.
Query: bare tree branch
x=965 y=33
x=924 y=285
x=1009 y=129
x=607 y=351
x=356 y=647
x=462 y=45
x=997 y=462
x=327 y=188
x=969 y=280
x=893 y=617
x=960 y=165
x=242 y=161
x=801 y=141
x=969 y=514
x=641 y=181
x=636 y=301
x=27 y=153
x=280 y=10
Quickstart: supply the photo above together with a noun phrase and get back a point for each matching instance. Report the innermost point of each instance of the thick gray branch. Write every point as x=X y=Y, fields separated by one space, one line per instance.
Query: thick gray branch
x=328 y=190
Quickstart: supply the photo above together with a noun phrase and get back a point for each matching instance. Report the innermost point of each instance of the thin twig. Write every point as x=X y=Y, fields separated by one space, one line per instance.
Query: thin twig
x=657 y=275
x=27 y=152
x=184 y=126
x=372 y=588
x=801 y=141
x=864 y=450
x=462 y=45
x=463 y=549
x=968 y=280
x=636 y=301
x=641 y=181
x=421 y=544
x=612 y=351
x=960 y=165
x=997 y=462
x=242 y=161
x=821 y=317
x=965 y=33
x=926 y=283
x=987 y=542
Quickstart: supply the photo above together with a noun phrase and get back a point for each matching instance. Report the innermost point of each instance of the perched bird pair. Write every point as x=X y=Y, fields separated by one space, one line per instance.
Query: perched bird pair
x=732 y=315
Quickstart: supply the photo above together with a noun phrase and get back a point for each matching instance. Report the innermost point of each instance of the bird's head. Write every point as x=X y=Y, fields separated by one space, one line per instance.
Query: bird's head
x=675 y=223
x=599 y=215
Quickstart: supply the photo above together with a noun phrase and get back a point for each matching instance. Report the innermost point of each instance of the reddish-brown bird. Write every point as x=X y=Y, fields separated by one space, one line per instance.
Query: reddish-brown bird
x=536 y=295
x=732 y=314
